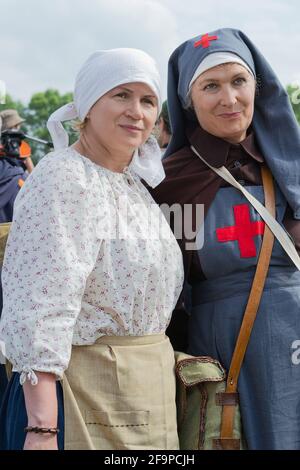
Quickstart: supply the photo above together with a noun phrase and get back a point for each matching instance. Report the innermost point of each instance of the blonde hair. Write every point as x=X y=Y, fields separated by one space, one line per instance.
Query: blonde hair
x=79 y=125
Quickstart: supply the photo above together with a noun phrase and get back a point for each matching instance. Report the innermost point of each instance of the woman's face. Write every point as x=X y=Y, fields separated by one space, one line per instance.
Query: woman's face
x=223 y=100
x=123 y=118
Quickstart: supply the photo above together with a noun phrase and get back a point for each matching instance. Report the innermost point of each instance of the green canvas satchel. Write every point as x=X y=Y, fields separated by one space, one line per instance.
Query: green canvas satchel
x=199 y=381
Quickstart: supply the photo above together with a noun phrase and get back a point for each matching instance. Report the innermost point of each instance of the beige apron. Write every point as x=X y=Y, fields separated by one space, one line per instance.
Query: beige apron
x=4 y=231
x=119 y=393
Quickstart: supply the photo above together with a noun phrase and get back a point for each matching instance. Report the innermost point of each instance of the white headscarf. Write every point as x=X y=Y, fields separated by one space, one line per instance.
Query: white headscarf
x=103 y=71
x=218 y=58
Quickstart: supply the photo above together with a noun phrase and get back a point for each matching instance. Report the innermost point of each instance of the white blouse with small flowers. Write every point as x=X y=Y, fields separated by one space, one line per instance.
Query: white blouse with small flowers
x=89 y=254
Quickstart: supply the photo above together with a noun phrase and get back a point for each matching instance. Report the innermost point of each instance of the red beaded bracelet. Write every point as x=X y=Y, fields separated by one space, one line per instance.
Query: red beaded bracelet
x=39 y=430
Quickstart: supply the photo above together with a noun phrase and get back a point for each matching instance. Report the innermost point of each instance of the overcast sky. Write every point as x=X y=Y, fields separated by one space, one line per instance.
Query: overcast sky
x=43 y=43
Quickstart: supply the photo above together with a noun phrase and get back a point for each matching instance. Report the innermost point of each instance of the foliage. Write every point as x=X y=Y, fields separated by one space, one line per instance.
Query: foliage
x=36 y=114
x=294 y=94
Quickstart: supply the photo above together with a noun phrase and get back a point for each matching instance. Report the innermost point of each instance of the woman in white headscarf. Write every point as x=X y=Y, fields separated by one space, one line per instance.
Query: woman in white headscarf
x=89 y=285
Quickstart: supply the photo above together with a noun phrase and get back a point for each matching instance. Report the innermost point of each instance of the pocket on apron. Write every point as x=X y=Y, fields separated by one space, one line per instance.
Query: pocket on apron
x=124 y=428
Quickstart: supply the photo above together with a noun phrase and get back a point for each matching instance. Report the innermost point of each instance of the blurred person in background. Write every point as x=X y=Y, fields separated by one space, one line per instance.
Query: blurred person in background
x=163 y=127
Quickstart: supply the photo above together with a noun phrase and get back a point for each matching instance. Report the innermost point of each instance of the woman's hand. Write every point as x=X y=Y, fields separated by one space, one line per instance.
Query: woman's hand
x=40 y=441
x=29 y=164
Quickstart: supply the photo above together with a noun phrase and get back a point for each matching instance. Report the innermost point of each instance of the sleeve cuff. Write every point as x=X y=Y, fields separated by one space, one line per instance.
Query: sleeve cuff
x=27 y=373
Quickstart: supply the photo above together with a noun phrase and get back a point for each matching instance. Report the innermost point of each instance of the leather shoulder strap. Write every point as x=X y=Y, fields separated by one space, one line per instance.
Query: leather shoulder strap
x=257 y=288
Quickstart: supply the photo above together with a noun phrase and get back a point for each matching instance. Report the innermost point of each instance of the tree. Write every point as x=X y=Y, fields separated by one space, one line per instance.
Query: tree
x=37 y=113
x=294 y=94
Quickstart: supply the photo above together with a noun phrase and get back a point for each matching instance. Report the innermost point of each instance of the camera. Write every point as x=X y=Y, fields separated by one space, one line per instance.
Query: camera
x=11 y=141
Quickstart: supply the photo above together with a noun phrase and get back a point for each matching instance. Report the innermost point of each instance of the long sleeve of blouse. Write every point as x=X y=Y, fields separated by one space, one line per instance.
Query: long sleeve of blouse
x=51 y=250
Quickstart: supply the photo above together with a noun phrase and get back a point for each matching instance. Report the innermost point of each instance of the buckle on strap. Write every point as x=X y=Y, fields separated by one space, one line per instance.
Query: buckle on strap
x=227 y=398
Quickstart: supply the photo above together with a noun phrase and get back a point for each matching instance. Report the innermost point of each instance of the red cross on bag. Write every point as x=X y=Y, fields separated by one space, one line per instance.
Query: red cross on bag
x=205 y=41
x=243 y=232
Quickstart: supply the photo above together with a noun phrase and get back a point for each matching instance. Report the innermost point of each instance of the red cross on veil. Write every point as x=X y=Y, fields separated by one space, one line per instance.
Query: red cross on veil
x=204 y=41
x=243 y=231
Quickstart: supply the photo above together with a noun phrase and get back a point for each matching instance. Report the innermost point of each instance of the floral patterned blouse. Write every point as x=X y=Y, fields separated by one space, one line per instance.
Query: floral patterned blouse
x=89 y=254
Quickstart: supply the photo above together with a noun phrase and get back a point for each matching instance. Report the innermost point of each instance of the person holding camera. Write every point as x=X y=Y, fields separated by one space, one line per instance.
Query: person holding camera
x=14 y=168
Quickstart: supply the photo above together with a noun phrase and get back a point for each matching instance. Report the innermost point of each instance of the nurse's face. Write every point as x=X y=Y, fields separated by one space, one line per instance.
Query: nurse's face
x=223 y=100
